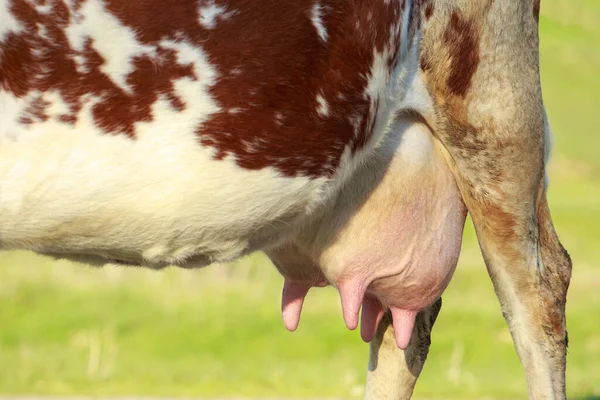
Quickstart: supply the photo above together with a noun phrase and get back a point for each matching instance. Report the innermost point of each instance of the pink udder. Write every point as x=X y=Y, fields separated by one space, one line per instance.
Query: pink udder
x=398 y=250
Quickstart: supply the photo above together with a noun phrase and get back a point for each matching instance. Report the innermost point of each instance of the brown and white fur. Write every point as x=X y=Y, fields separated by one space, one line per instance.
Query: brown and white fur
x=345 y=138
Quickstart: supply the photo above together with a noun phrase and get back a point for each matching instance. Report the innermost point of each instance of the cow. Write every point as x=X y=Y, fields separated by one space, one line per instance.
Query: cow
x=346 y=139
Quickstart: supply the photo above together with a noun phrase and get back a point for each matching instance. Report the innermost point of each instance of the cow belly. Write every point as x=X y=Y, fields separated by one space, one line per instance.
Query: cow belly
x=394 y=238
x=158 y=200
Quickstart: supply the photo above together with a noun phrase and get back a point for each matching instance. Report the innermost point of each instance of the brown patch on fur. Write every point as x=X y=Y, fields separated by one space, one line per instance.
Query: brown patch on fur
x=36 y=112
x=462 y=39
x=424 y=62
x=285 y=79
x=429 y=10
x=55 y=70
x=15 y=65
x=536 y=10
x=501 y=222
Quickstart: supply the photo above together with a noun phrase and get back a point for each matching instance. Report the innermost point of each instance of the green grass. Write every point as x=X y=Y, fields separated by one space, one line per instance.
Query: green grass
x=66 y=329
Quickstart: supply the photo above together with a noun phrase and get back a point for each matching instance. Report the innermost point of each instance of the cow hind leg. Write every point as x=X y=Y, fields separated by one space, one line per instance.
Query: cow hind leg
x=393 y=372
x=484 y=80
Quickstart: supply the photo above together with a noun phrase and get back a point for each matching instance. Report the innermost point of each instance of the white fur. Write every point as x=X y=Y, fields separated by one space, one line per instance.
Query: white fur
x=57 y=105
x=106 y=31
x=322 y=106
x=11 y=108
x=9 y=22
x=317 y=21
x=42 y=8
x=210 y=12
x=415 y=94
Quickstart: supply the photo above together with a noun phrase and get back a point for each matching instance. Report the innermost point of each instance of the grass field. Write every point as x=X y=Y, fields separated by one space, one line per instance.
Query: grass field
x=68 y=330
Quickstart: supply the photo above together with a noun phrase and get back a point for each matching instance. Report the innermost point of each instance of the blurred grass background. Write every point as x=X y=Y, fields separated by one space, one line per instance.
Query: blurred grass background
x=68 y=330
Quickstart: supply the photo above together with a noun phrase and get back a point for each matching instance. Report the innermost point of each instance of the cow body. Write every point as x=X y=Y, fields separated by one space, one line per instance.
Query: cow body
x=346 y=139
x=196 y=132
